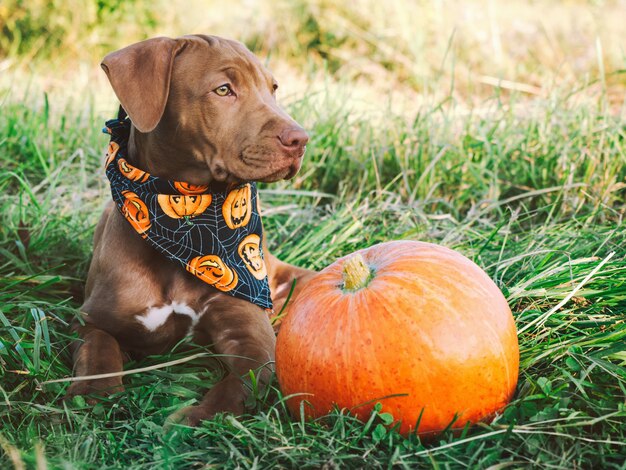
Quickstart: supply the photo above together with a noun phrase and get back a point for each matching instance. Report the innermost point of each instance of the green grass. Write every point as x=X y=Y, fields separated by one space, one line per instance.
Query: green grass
x=535 y=194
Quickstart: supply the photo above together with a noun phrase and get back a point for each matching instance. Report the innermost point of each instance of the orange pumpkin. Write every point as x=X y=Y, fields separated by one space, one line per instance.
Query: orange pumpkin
x=250 y=253
x=176 y=206
x=237 y=207
x=407 y=318
x=132 y=173
x=212 y=270
x=136 y=212
x=112 y=150
x=189 y=189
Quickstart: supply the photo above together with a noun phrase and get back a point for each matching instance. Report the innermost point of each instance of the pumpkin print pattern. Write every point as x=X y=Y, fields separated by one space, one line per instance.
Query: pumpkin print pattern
x=237 y=207
x=111 y=153
x=177 y=206
x=132 y=173
x=136 y=212
x=189 y=189
x=212 y=270
x=213 y=232
x=250 y=252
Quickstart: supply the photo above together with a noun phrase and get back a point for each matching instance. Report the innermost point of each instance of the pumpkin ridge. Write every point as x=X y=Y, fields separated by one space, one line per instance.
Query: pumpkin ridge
x=424 y=383
x=432 y=413
x=366 y=306
x=300 y=339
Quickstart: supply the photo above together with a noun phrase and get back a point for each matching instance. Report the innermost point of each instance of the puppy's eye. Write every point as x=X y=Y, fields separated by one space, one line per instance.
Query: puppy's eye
x=275 y=87
x=223 y=90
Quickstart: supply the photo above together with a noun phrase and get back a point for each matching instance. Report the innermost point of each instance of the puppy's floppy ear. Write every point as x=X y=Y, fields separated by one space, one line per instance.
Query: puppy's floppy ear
x=140 y=76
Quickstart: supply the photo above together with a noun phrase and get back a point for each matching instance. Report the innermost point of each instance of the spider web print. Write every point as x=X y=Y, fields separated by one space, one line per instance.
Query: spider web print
x=185 y=238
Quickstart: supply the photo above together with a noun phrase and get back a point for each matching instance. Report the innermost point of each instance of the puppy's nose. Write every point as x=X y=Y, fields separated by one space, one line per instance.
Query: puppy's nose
x=293 y=137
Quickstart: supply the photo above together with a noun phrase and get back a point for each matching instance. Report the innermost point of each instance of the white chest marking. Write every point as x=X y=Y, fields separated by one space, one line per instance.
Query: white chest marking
x=157 y=316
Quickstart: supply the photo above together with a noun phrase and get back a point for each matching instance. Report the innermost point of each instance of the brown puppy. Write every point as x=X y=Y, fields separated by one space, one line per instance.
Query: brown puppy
x=203 y=110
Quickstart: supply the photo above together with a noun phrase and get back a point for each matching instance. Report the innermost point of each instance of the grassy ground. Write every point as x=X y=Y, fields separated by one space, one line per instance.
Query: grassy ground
x=527 y=178
x=536 y=199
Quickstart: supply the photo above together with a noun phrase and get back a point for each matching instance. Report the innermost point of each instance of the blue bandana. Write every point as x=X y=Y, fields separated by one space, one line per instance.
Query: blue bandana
x=214 y=234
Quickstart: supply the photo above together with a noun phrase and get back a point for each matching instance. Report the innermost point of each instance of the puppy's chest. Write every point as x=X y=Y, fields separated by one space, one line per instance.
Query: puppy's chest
x=178 y=307
x=156 y=316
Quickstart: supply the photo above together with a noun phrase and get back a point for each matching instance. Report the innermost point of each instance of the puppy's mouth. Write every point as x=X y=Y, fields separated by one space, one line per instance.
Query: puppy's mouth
x=287 y=168
x=282 y=174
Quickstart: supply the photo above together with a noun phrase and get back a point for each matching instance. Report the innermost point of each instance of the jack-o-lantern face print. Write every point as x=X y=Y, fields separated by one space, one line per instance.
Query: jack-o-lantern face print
x=136 y=212
x=189 y=189
x=212 y=270
x=132 y=173
x=250 y=253
x=176 y=206
x=111 y=153
x=237 y=207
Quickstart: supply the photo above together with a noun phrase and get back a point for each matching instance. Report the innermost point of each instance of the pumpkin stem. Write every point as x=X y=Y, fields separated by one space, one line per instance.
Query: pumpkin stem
x=356 y=274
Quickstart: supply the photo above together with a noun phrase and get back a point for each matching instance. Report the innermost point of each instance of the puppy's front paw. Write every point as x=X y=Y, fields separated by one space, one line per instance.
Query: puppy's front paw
x=98 y=387
x=189 y=416
x=226 y=396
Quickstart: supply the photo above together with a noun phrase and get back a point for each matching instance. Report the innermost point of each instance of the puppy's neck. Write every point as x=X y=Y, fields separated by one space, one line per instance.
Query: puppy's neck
x=162 y=155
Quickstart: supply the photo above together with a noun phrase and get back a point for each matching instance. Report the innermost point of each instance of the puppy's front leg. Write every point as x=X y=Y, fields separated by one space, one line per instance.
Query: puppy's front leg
x=97 y=352
x=242 y=333
x=281 y=277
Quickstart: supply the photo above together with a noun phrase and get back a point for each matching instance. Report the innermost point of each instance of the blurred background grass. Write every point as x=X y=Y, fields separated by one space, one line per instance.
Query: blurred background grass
x=408 y=49
x=455 y=102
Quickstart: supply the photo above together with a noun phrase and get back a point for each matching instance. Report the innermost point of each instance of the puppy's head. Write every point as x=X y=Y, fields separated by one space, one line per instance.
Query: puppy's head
x=212 y=102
